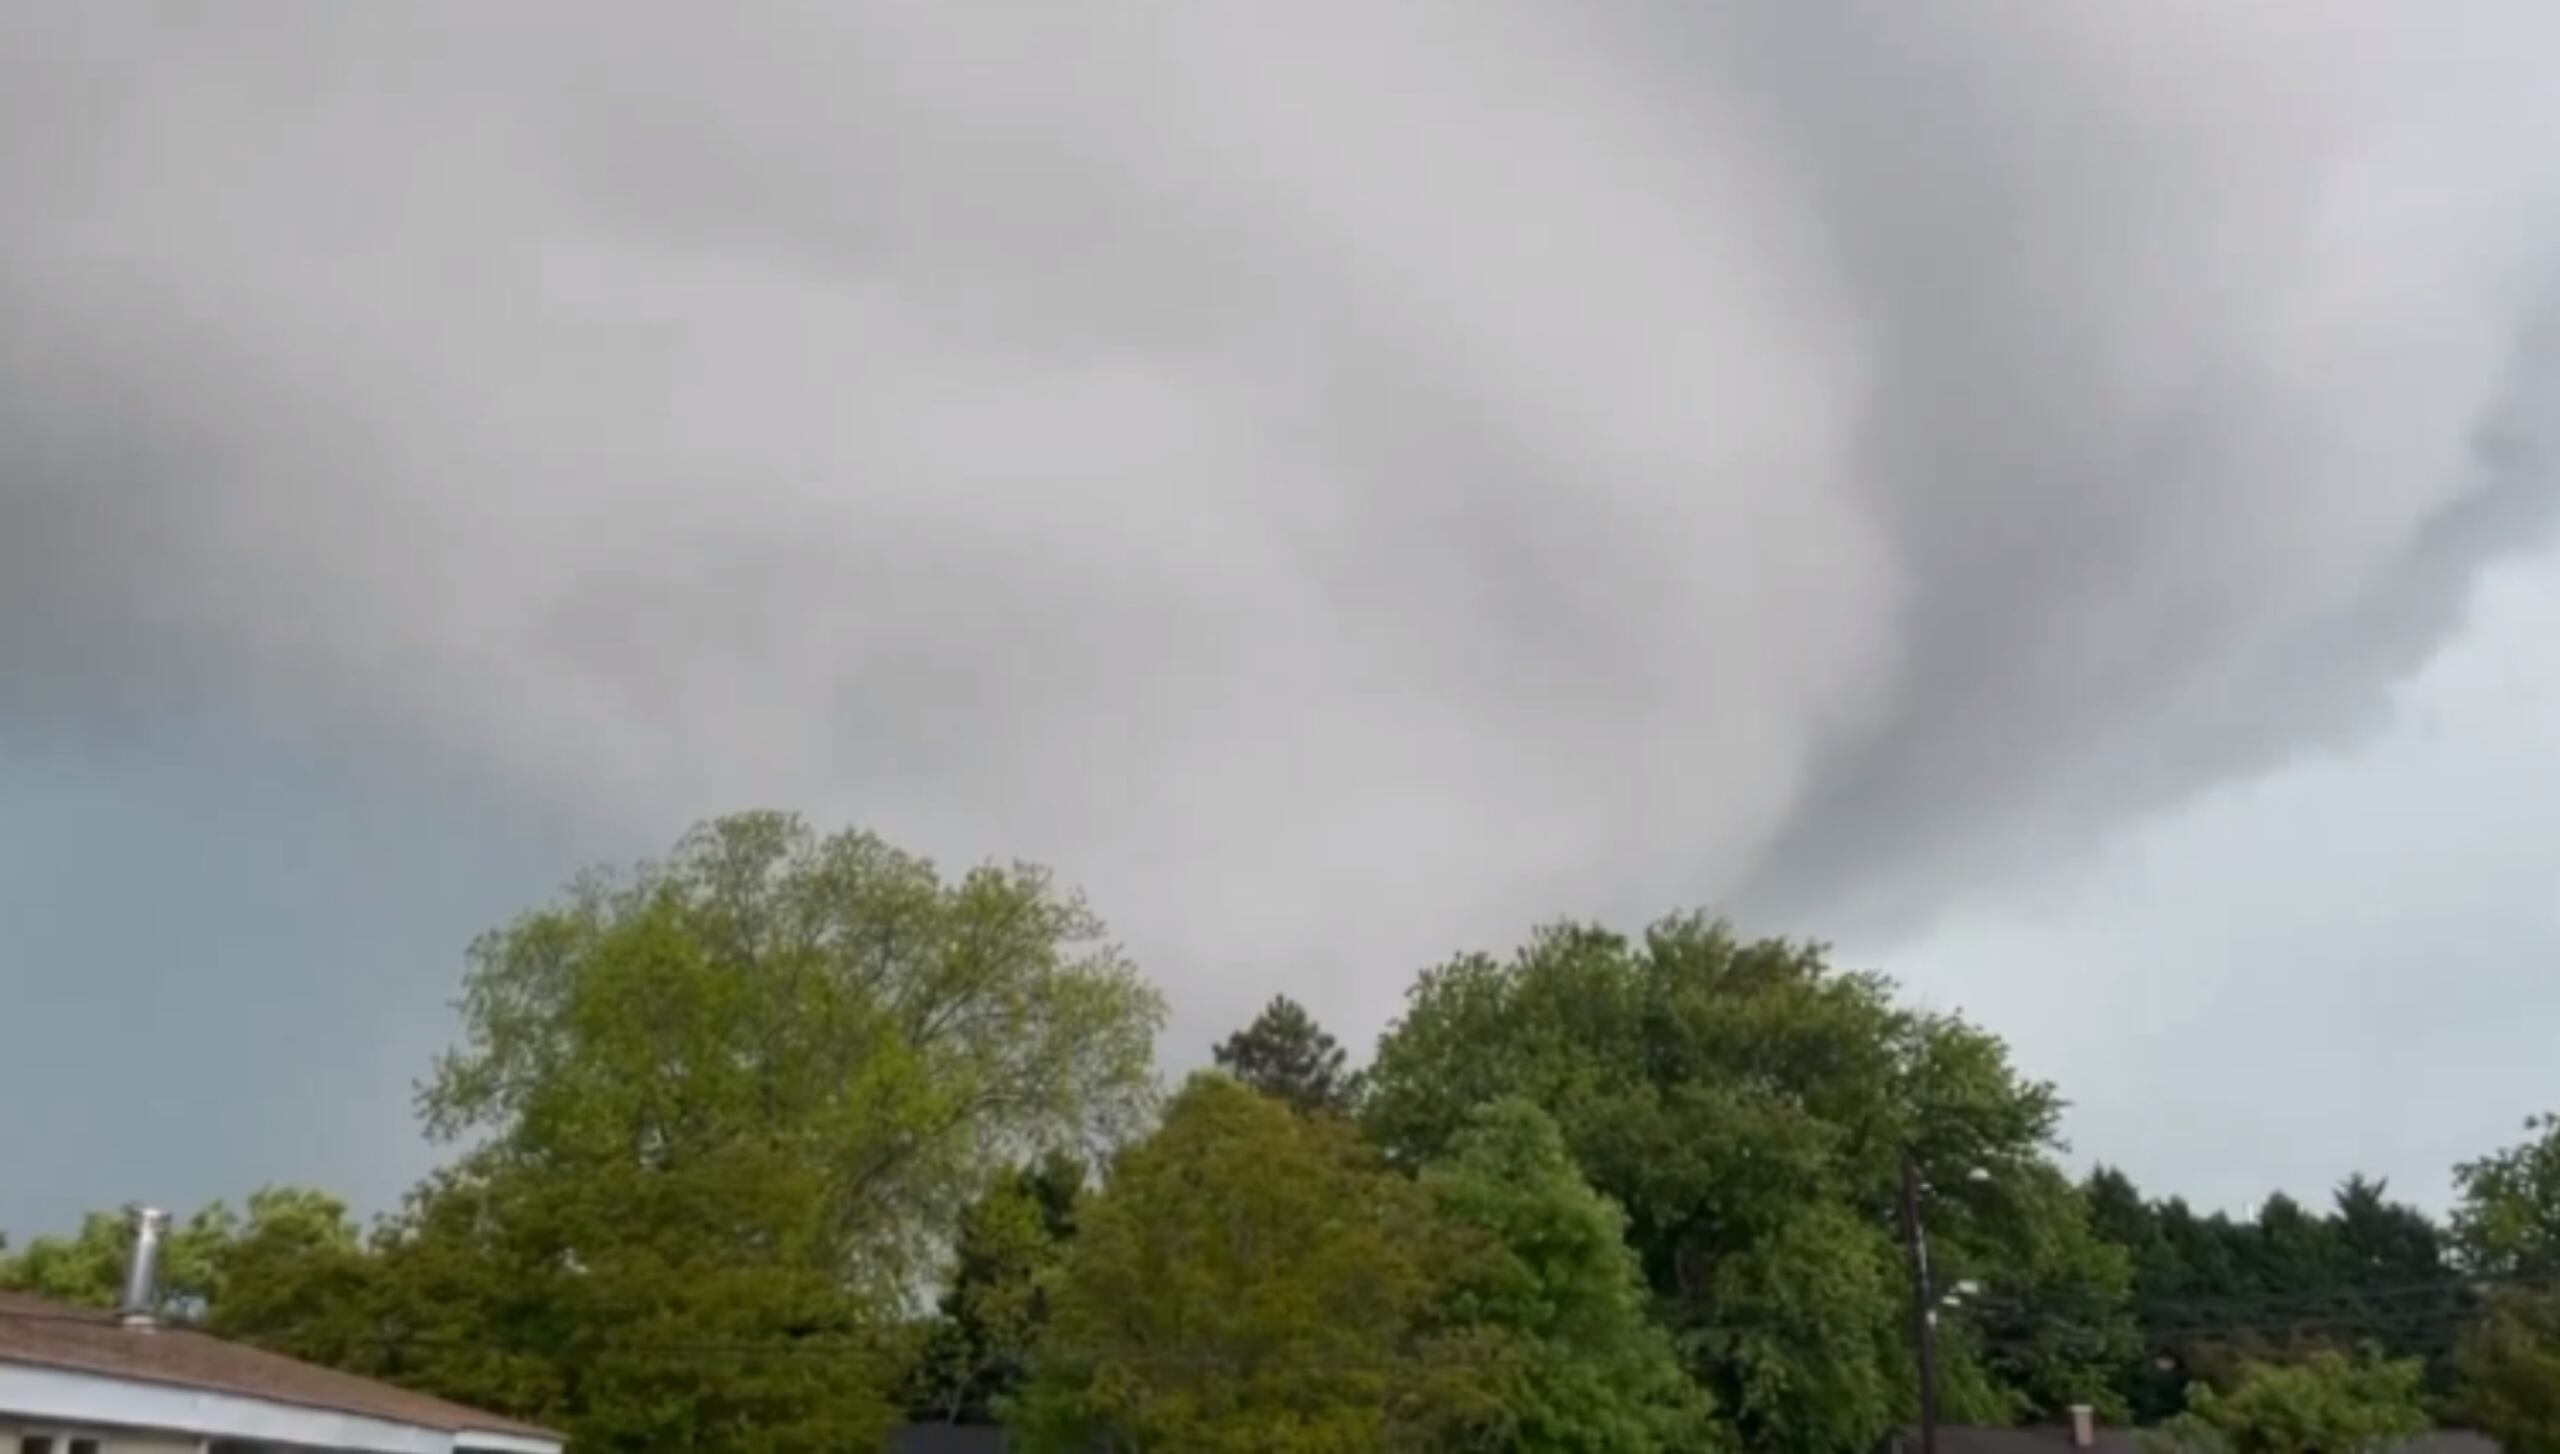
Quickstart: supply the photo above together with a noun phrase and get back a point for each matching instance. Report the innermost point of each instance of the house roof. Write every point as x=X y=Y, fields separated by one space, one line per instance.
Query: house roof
x=947 y=1439
x=53 y=1335
x=1963 y=1440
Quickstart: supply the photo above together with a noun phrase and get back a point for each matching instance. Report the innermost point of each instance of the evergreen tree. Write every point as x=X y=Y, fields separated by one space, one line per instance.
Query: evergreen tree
x=996 y=1303
x=1286 y=1055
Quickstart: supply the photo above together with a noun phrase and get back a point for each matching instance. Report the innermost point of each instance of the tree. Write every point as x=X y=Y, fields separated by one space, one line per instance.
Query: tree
x=2404 y=1296
x=201 y=1258
x=1536 y=1329
x=720 y=1113
x=2368 y=1273
x=88 y=1267
x=2506 y=1226
x=299 y=1279
x=996 y=1302
x=1253 y=1279
x=2149 y=1382
x=2327 y=1403
x=2052 y=1325
x=1246 y=1280
x=2507 y=1370
x=2506 y=1223
x=1283 y=1053
x=2382 y=1243
x=1748 y=1106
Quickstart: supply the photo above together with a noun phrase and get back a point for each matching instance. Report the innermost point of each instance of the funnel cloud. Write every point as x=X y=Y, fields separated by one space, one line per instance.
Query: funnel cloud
x=1339 y=481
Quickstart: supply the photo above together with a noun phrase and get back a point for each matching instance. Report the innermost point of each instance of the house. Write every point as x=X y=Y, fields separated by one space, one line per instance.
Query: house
x=2061 y=1439
x=1966 y=1439
x=946 y=1439
x=85 y=1381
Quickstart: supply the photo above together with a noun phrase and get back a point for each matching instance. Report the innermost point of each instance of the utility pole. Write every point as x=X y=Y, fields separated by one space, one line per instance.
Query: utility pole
x=1924 y=1304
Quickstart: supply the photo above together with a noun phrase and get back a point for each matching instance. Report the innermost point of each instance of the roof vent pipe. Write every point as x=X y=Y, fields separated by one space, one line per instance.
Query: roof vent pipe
x=142 y=1273
x=2084 y=1427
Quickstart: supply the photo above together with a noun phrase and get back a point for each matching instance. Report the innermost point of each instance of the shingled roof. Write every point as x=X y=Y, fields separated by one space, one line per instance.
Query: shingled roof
x=52 y=1335
x=1963 y=1440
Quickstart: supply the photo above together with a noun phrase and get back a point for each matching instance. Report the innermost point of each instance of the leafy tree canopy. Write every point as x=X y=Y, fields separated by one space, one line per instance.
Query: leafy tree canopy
x=2507 y=1222
x=200 y=1260
x=1245 y=1281
x=2327 y=1403
x=2507 y=1227
x=720 y=1113
x=1253 y=1279
x=996 y=1304
x=1748 y=1106
x=1538 y=1307
x=2509 y=1370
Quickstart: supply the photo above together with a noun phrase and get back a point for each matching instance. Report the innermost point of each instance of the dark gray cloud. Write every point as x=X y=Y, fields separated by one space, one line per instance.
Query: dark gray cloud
x=1338 y=479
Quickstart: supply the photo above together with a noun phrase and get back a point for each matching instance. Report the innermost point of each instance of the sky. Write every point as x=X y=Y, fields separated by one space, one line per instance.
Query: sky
x=2054 y=501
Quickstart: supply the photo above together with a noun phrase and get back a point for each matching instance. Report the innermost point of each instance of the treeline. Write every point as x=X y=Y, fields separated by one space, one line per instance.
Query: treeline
x=787 y=1138
x=2215 y=1294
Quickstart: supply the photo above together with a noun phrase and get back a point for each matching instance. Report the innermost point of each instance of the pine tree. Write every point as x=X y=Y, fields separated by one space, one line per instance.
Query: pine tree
x=1286 y=1055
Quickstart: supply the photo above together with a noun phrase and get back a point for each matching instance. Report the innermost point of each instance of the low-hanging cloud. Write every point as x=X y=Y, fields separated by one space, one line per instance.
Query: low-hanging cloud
x=1337 y=479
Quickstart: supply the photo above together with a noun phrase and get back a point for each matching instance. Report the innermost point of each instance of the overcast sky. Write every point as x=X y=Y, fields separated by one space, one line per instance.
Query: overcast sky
x=2054 y=499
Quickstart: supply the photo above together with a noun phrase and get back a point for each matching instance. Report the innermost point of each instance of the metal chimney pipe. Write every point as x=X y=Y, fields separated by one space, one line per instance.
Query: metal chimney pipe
x=142 y=1271
x=2084 y=1427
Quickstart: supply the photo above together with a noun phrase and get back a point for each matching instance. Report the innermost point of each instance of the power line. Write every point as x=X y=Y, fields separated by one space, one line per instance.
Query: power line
x=2341 y=1308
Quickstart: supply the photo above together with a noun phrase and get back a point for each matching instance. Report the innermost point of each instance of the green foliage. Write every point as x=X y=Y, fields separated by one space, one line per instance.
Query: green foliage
x=829 y=1005
x=2053 y=1327
x=1245 y=1281
x=2327 y=1403
x=1747 y=1105
x=2370 y=1272
x=722 y=1111
x=294 y=1264
x=996 y=1304
x=2507 y=1226
x=1285 y=1054
x=2508 y=1221
x=725 y=1118
x=1252 y=1279
x=88 y=1266
x=2509 y=1371
x=1537 y=1320
x=207 y=1261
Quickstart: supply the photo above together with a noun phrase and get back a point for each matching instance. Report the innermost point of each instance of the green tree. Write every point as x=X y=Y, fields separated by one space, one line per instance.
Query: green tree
x=720 y=1112
x=996 y=1301
x=2148 y=1381
x=199 y=1258
x=1246 y=1280
x=2507 y=1372
x=1748 y=1106
x=1252 y=1279
x=2327 y=1403
x=2368 y=1273
x=300 y=1280
x=2052 y=1326
x=2506 y=1227
x=1537 y=1337
x=2382 y=1243
x=1284 y=1053
x=2403 y=1294
x=88 y=1266
x=2506 y=1223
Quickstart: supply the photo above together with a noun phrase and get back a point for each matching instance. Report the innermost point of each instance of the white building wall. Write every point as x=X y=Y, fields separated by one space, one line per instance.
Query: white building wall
x=134 y=1417
x=135 y=1442
x=110 y=1441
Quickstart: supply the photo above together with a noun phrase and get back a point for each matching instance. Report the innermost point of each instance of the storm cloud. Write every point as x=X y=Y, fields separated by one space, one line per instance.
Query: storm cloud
x=1338 y=480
